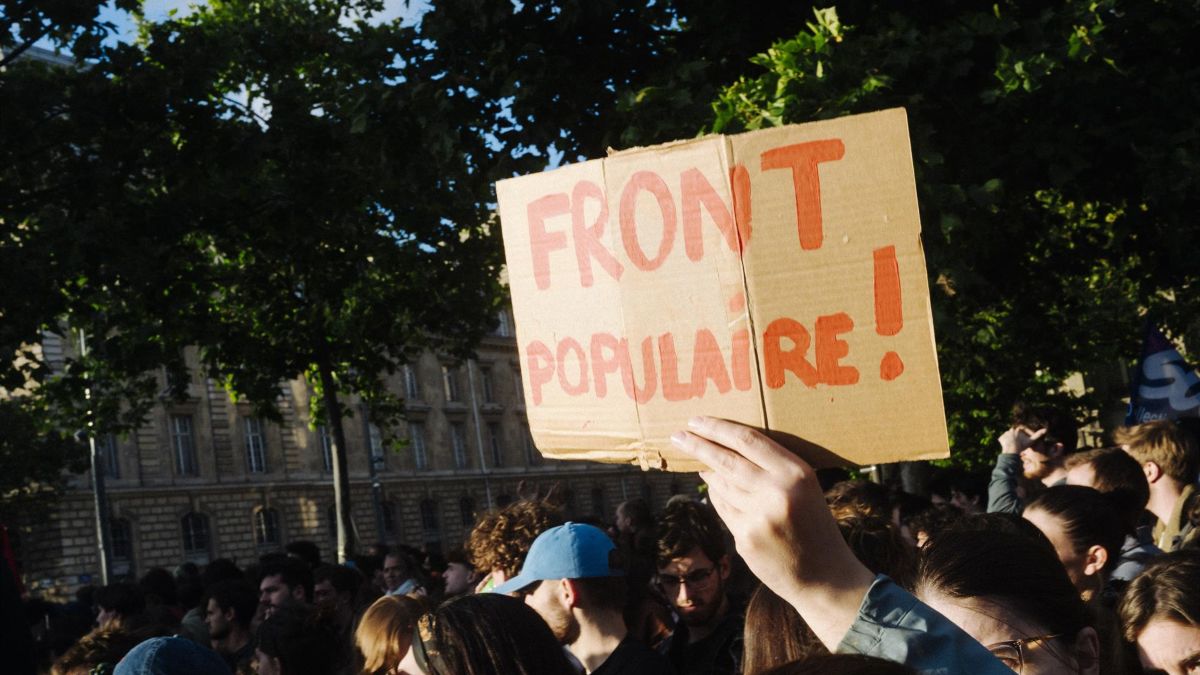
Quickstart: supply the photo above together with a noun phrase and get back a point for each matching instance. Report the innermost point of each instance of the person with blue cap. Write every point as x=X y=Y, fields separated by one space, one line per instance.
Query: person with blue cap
x=573 y=579
x=171 y=656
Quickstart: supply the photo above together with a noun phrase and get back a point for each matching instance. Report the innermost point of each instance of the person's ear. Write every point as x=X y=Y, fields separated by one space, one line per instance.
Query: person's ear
x=1097 y=558
x=568 y=593
x=724 y=567
x=228 y=614
x=299 y=594
x=1152 y=471
x=1087 y=651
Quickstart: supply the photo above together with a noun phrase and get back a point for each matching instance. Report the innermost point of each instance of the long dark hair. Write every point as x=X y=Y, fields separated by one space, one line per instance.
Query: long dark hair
x=304 y=639
x=1008 y=564
x=1088 y=517
x=488 y=633
x=775 y=633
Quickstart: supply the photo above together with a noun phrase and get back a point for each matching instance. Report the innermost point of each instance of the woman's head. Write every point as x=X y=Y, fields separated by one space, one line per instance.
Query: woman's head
x=775 y=633
x=1006 y=588
x=1085 y=529
x=485 y=633
x=385 y=631
x=880 y=547
x=296 y=640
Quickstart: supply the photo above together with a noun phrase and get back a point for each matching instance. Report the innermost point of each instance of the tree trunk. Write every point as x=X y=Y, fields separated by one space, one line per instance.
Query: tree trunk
x=341 y=472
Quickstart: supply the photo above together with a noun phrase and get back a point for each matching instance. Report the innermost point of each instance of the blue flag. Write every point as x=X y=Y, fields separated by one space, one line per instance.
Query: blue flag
x=1164 y=386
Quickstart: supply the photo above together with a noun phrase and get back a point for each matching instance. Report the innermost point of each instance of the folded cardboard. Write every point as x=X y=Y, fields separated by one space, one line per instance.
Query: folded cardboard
x=774 y=277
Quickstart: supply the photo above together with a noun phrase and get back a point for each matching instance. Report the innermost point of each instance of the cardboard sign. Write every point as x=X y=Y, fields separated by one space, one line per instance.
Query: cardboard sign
x=775 y=278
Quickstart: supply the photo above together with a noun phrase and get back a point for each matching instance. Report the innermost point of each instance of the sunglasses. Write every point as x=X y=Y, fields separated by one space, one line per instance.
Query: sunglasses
x=695 y=579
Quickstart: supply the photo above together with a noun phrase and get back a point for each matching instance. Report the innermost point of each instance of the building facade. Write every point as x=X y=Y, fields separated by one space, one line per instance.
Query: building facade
x=205 y=479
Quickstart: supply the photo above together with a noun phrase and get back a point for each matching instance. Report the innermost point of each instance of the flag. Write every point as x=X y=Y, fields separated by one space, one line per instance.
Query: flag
x=1165 y=387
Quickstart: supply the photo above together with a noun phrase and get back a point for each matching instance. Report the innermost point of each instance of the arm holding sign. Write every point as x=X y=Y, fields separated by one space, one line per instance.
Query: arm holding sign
x=773 y=506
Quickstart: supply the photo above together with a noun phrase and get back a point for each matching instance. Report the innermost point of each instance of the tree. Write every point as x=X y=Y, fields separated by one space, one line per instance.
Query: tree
x=1053 y=145
x=580 y=76
x=1054 y=150
x=301 y=194
x=72 y=24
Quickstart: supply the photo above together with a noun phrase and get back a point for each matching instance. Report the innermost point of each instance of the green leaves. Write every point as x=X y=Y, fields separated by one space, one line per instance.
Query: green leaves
x=1034 y=129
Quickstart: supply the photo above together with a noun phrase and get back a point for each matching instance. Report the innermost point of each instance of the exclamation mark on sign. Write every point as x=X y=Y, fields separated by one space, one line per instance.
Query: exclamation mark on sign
x=889 y=315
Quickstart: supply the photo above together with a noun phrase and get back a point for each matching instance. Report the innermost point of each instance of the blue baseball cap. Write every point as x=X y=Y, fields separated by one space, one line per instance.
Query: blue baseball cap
x=171 y=656
x=570 y=551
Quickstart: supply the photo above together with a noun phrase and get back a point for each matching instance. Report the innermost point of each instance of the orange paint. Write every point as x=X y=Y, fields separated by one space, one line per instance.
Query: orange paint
x=739 y=182
x=541 y=368
x=566 y=347
x=708 y=364
x=889 y=308
x=588 y=242
x=740 y=360
x=541 y=240
x=696 y=191
x=644 y=393
x=802 y=159
x=830 y=350
x=737 y=304
x=889 y=314
x=646 y=181
x=891 y=366
x=608 y=354
x=672 y=388
x=777 y=361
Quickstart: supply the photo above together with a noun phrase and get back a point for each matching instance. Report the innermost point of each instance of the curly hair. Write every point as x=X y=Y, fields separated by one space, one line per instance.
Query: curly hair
x=102 y=649
x=501 y=539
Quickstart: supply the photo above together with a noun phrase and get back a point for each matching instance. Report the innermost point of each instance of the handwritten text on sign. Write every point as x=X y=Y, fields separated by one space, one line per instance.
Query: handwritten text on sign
x=724 y=276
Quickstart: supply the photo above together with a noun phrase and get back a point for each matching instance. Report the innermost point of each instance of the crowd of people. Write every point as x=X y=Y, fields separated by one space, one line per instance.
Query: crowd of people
x=1066 y=560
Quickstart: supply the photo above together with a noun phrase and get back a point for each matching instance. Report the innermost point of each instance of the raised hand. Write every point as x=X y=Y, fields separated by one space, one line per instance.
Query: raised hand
x=772 y=503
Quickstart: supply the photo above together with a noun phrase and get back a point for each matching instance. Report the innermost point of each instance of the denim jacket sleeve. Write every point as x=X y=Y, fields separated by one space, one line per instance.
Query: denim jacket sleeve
x=894 y=625
x=1002 y=489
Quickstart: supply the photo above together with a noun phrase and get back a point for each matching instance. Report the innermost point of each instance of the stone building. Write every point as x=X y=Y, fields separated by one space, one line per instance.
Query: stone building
x=204 y=479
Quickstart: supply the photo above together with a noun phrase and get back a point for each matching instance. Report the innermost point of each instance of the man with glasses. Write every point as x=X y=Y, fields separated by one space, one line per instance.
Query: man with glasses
x=1036 y=445
x=693 y=572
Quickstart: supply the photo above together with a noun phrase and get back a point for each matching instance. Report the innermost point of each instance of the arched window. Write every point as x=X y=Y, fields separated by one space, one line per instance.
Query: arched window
x=466 y=510
x=196 y=541
x=266 y=527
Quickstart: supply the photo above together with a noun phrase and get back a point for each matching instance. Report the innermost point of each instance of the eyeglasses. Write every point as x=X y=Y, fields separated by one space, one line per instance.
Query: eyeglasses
x=1012 y=653
x=695 y=579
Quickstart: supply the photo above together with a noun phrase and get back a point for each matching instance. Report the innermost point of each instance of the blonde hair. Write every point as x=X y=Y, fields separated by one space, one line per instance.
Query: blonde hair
x=384 y=634
x=1164 y=443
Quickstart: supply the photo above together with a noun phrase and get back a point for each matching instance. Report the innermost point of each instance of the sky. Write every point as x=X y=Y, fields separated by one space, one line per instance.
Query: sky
x=157 y=10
